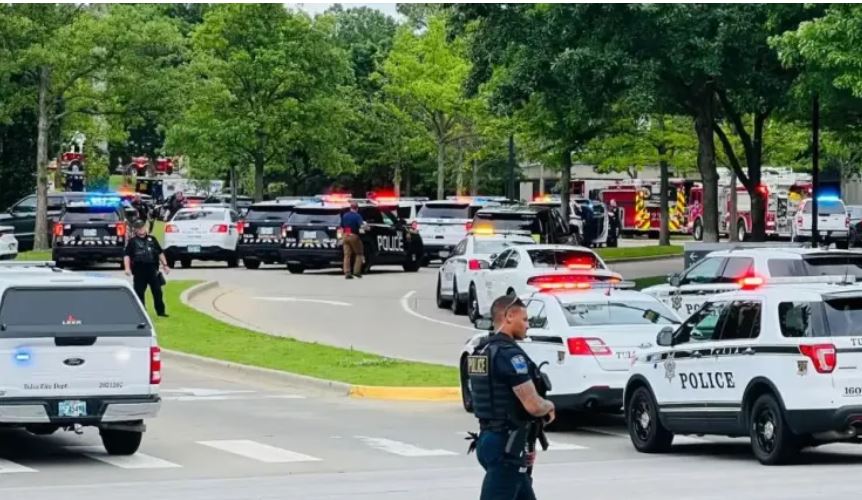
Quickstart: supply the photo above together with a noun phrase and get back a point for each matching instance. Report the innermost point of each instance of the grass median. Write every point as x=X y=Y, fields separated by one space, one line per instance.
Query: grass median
x=646 y=252
x=641 y=283
x=193 y=332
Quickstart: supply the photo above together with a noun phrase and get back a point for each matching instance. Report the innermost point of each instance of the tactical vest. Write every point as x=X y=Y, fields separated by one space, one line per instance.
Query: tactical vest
x=494 y=403
x=143 y=251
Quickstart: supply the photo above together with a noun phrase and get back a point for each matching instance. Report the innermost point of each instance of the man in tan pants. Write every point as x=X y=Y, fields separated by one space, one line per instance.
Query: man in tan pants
x=351 y=225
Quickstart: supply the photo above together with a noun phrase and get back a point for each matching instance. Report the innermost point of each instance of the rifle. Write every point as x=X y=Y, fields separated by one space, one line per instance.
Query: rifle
x=537 y=426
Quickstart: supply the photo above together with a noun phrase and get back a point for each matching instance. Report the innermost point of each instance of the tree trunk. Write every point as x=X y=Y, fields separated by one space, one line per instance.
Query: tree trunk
x=664 y=202
x=703 y=126
x=565 y=182
x=441 y=164
x=258 y=176
x=459 y=170
x=510 y=176
x=474 y=179
x=396 y=179
x=758 y=202
x=40 y=237
x=408 y=182
x=733 y=214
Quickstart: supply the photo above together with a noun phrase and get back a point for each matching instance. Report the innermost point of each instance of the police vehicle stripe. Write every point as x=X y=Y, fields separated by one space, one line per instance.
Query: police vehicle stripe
x=730 y=351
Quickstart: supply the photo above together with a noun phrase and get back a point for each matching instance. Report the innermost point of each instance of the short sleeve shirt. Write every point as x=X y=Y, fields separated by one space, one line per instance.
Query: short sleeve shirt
x=511 y=365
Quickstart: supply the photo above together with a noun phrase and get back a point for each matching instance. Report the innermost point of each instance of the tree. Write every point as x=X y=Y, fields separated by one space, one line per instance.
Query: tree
x=424 y=75
x=264 y=80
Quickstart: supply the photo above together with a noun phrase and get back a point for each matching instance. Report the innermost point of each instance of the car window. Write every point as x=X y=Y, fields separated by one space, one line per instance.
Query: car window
x=737 y=268
x=536 y=316
x=801 y=319
x=371 y=215
x=701 y=326
x=491 y=247
x=617 y=313
x=825 y=207
x=274 y=214
x=507 y=222
x=319 y=216
x=193 y=215
x=234 y=217
x=742 y=321
x=405 y=212
x=705 y=271
x=27 y=205
x=445 y=211
x=563 y=259
x=513 y=260
x=90 y=214
x=460 y=248
x=500 y=260
x=817 y=265
x=842 y=316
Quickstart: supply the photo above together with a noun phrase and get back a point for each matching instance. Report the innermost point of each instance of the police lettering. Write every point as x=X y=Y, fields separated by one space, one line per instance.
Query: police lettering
x=856 y=342
x=691 y=308
x=708 y=380
x=393 y=243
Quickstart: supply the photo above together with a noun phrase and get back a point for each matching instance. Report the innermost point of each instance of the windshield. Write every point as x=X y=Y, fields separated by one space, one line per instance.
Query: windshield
x=91 y=215
x=199 y=215
x=322 y=217
x=825 y=207
x=616 y=313
x=445 y=211
x=563 y=259
x=825 y=265
x=275 y=214
x=526 y=222
x=494 y=246
x=838 y=317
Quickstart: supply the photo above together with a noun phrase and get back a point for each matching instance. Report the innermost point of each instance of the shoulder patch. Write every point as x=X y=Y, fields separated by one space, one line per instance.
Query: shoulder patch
x=519 y=363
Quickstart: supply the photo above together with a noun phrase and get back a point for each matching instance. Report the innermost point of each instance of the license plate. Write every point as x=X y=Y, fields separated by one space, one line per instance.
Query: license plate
x=72 y=408
x=309 y=235
x=194 y=249
x=441 y=230
x=268 y=231
x=90 y=232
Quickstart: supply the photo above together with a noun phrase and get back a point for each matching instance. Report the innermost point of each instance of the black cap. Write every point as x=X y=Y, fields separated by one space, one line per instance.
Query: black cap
x=139 y=224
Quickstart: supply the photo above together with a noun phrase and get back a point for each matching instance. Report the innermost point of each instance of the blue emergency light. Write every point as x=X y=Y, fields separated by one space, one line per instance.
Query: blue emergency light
x=828 y=197
x=106 y=201
x=22 y=357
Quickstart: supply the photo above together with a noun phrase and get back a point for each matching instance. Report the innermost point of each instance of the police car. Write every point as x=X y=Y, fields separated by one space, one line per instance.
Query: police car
x=444 y=223
x=722 y=270
x=202 y=233
x=780 y=363
x=90 y=231
x=833 y=221
x=77 y=351
x=313 y=238
x=8 y=243
x=468 y=257
x=543 y=224
x=585 y=336
x=528 y=268
x=576 y=221
x=260 y=232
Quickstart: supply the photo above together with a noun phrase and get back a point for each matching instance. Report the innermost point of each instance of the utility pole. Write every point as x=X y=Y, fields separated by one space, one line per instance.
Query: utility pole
x=510 y=183
x=815 y=167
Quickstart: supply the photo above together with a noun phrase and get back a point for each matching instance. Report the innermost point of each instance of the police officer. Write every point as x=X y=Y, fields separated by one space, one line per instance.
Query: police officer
x=506 y=402
x=142 y=260
x=352 y=225
x=614 y=223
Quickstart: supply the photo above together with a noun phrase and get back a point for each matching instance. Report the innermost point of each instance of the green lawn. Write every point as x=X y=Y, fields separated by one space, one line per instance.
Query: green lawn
x=115 y=182
x=190 y=331
x=641 y=283
x=35 y=255
x=619 y=253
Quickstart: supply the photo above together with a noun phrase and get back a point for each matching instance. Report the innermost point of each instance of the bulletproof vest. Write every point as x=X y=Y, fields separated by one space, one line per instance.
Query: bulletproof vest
x=143 y=251
x=493 y=401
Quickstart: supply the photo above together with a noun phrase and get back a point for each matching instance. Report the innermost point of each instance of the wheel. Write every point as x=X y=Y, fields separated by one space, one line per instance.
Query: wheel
x=233 y=262
x=186 y=263
x=472 y=304
x=466 y=395
x=172 y=262
x=647 y=433
x=295 y=268
x=740 y=230
x=697 y=230
x=459 y=308
x=251 y=264
x=842 y=245
x=412 y=265
x=441 y=302
x=121 y=442
x=771 y=439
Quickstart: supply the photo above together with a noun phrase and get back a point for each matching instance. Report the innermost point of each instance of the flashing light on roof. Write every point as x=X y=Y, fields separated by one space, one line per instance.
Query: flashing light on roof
x=104 y=201
x=828 y=197
x=22 y=356
x=336 y=198
x=543 y=199
x=384 y=196
x=751 y=282
x=580 y=262
x=482 y=230
x=552 y=282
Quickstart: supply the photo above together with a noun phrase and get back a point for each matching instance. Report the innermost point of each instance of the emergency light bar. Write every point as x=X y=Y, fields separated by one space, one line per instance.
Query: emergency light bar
x=754 y=282
x=103 y=201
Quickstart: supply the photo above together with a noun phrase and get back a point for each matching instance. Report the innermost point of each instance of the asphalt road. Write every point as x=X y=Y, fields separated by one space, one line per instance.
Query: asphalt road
x=221 y=437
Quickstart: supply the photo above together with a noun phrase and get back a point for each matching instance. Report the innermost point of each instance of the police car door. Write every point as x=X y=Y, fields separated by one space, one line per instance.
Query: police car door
x=734 y=350
x=696 y=285
x=544 y=344
x=451 y=266
x=505 y=278
x=387 y=238
x=492 y=275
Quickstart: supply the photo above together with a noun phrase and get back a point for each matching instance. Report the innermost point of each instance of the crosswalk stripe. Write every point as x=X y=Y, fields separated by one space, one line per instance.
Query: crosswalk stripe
x=560 y=446
x=258 y=451
x=401 y=448
x=8 y=467
x=136 y=461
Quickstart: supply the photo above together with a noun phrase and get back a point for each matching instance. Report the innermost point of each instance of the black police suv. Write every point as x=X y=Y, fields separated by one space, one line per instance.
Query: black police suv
x=88 y=232
x=260 y=236
x=243 y=203
x=313 y=239
x=22 y=215
x=544 y=224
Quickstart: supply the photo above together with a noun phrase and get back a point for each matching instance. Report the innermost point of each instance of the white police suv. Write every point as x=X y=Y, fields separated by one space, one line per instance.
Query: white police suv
x=76 y=350
x=721 y=271
x=781 y=363
x=585 y=338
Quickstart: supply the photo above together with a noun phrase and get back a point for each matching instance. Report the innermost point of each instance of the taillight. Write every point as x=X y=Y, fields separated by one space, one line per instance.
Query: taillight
x=588 y=346
x=339 y=233
x=474 y=264
x=469 y=226
x=58 y=229
x=824 y=357
x=121 y=229
x=172 y=228
x=240 y=227
x=219 y=228
x=155 y=365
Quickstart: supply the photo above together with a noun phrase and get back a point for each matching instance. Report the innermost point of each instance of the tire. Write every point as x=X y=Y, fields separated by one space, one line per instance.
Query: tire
x=697 y=230
x=772 y=441
x=233 y=262
x=459 y=308
x=646 y=431
x=441 y=302
x=413 y=264
x=472 y=304
x=295 y=269
x=172 y=262
x=121 y=442
x=466 y=395
x=842 y=245
x=186 y=263
x=740 y=230
x=251 y=264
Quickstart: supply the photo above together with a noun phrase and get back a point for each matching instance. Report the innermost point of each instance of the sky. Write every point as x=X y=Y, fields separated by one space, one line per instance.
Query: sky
x=319 y=7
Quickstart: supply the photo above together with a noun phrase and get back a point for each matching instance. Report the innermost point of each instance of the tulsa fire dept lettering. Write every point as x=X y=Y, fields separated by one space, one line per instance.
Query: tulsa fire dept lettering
x=707 y=380
x=392 y=243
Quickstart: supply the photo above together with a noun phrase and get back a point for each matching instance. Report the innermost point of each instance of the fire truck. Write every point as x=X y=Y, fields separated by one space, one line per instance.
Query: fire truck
x=639 y=202
x=163 y=165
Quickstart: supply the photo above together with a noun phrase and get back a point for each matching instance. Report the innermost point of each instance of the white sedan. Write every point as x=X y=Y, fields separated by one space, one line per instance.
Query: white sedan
x=8 y=243
x=585 y=341
x=202 y=233
x=527 y=268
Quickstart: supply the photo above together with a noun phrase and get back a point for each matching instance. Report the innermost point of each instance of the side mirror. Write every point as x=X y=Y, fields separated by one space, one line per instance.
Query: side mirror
x=674 y=279
x=665 y=337
x=483 y=324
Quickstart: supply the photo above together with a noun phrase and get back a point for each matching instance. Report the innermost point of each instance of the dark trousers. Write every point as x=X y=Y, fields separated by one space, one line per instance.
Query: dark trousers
x=505 y=475
x=149 y=277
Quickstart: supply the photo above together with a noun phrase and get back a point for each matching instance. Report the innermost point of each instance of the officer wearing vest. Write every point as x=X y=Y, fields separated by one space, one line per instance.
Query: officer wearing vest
x=506 y=402
x=142 y=260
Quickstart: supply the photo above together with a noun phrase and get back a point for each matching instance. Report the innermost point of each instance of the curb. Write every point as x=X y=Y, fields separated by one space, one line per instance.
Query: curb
x=428 y=394
x=641 y=259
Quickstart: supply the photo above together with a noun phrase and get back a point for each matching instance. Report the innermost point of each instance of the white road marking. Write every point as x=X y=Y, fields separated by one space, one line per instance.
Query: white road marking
x=8 y=467
x=259 y=451
x=198 y=399
x=560 y=446
x=197 y=392
x=136 y=461
x=297 y=299
x=405 y=304
x=401 y=448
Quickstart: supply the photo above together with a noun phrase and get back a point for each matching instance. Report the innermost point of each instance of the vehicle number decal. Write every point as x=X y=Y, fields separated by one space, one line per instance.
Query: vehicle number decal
x=852 y=392
x=393 y=243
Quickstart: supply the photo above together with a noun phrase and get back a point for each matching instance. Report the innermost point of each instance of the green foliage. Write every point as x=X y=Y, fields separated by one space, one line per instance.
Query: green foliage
x=98 y=176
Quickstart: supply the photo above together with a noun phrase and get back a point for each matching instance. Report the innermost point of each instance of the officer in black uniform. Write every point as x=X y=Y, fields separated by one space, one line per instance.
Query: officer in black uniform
x=142 y=260
x=505 y=400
